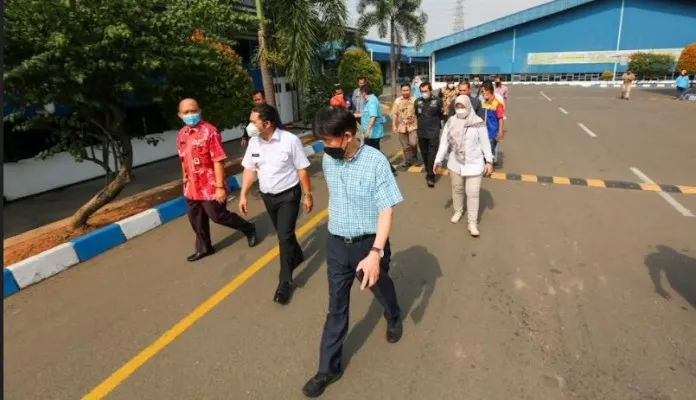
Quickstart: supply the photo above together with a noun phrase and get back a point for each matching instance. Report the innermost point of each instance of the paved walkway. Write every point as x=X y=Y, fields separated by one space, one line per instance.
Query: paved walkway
x=570 y=293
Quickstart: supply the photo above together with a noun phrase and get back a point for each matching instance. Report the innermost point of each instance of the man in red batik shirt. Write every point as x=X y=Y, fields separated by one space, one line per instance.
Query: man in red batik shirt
x=199 y=145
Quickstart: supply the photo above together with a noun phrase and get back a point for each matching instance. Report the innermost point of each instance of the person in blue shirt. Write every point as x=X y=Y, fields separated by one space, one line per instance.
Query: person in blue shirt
x=371 y=122
x=682 y=84
x=362 y=196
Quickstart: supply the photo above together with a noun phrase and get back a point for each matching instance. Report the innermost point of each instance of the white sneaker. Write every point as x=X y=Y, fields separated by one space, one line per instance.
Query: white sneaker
x=473 y=229
x=456 y=217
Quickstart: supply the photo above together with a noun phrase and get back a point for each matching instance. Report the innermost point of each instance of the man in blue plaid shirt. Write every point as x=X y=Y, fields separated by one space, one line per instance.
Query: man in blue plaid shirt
x=362 y=195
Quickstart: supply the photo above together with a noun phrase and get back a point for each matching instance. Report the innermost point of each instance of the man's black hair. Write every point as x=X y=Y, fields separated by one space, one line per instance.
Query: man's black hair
x=465 y=82
x=366 y=89
x=261 y=92
x=449 y=79
x=267 y=113
x=362 y=78
x=475 y=76
x=488 y=85
x=403 y=85
x=334 y=122
x=426 y=84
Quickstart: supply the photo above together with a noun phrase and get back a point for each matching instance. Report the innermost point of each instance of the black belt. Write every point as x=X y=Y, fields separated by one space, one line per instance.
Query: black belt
x=280 y=193
x=355 y=239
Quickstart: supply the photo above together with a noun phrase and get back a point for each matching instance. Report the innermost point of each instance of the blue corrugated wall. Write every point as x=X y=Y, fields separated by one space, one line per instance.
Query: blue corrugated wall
x=647 y=24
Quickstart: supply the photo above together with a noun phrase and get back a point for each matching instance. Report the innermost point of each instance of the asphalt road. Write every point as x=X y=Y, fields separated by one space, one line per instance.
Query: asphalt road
x=569 y=293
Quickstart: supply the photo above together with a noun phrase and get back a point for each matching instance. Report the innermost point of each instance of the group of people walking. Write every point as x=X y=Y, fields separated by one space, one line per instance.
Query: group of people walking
x=361 y=186
x=463 y=125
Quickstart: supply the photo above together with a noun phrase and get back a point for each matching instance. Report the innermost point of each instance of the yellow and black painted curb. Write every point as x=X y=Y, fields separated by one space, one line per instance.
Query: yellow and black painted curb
x=595 y=183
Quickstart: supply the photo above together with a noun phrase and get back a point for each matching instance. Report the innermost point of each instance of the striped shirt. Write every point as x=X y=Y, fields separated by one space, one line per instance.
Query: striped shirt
x=358 y=190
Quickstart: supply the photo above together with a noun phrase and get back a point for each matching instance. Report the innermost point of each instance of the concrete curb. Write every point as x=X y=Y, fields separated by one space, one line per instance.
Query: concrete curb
x=53 y=261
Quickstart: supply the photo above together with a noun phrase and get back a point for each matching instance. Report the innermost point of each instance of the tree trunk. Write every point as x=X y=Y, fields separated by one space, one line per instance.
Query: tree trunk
x=392 y=59
x=110 y=190
x=266 y=76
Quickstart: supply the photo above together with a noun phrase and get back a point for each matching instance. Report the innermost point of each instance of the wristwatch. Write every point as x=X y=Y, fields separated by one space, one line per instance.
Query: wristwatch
x=378 y=251
x=308 y=194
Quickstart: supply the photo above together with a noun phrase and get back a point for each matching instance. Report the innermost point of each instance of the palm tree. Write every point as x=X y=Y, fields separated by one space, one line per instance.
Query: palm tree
x=291 y=34
x=403 y=19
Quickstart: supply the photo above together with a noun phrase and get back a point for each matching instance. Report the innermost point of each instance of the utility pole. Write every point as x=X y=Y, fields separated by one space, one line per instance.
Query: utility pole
x=458 y=17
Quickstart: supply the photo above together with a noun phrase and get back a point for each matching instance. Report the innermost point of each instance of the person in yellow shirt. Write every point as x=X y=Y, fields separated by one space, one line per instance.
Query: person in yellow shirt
x=448 y=94
x=627 y=79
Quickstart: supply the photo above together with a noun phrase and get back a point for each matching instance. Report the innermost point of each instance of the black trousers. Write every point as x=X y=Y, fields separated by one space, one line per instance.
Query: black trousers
x=342 y=259
x=375 y=143
x=283 y=208
x=428 y=147
x=200 y=213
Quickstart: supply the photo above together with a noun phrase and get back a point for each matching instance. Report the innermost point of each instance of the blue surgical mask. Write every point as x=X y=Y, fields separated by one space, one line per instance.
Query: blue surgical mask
x=191 y=119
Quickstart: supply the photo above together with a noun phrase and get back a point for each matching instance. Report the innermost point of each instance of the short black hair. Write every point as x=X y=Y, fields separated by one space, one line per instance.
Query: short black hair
x=476 y=76
x=428 y=85
x=261 y=92
x=465 y=83
x=449 y=79
x=361 y=78
x=488 y=85
x=267 y=113
x=403 y=85
x=366 y=89
x=334 y=122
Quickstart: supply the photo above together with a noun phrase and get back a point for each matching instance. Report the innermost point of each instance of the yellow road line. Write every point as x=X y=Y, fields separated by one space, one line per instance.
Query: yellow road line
x=650 y=187
x=528 y=178
x=121 y=374
x=561 y=180
x=597 y=183
x=688 y=189
x=498 y=175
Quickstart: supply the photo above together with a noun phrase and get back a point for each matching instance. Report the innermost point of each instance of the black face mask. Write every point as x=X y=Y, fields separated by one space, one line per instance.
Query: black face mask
x=337 y=153
x=498 y=84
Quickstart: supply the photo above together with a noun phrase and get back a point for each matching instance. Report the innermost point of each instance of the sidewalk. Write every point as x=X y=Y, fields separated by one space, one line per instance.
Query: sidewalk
x=36 y=211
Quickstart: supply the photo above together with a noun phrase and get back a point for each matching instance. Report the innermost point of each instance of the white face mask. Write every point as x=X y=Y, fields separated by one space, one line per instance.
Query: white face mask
x=451 y=86
x=426 y=96
x=252 y=130
x=462 y=112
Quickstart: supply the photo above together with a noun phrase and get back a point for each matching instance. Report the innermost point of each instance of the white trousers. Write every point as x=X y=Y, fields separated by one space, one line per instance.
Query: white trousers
x=471 y=186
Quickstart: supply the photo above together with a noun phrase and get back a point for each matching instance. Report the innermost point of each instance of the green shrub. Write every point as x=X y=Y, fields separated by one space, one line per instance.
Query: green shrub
x=687 y=59
x=321 y=88
x=607 y=75
x=356 y=63
x=651 y=66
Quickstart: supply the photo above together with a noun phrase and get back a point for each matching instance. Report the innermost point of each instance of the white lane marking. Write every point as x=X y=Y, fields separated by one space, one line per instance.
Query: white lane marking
x=545 y=96
x=668 y=198
x=586 y=129
x=563 y=110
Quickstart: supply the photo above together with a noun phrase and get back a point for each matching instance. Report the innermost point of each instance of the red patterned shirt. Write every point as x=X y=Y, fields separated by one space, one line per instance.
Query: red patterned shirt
x=199 y=148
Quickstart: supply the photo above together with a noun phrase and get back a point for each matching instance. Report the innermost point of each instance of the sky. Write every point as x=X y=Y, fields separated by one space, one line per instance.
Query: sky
x=441 y=14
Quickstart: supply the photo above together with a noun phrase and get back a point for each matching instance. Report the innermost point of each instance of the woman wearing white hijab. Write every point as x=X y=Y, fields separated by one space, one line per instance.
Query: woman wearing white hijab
x=465 y=143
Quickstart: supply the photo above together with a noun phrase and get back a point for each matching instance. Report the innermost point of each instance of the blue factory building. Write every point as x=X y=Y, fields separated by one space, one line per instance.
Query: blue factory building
x=563 y=40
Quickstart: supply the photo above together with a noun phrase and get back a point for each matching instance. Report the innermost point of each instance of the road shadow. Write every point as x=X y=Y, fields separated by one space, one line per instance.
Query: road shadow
x=500 y=160
x=264 y=229
x=312 y=247
x=666 y=92
x=678 y=268
x=486 y=202
x=415 y=272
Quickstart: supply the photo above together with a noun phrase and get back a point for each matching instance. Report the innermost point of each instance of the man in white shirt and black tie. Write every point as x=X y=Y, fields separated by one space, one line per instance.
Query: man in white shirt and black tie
x=278 y=159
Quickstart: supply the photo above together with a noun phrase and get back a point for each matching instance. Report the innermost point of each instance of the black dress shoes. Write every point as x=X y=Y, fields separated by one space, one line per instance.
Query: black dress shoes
x=319 y=382
x=394 y=330
x=198 y=256
x=283 y=293
x=252 y=239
